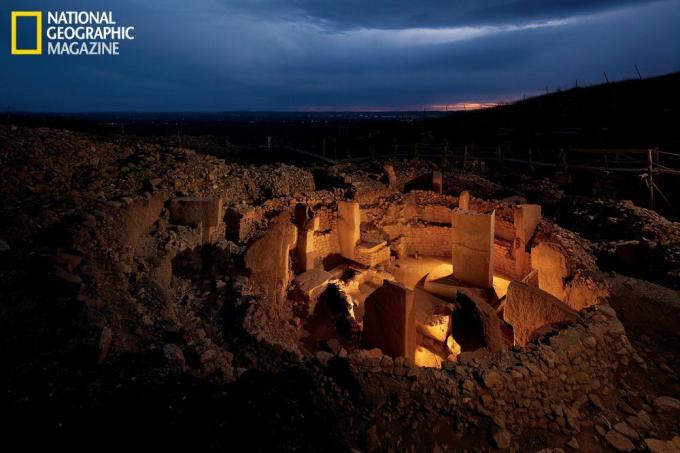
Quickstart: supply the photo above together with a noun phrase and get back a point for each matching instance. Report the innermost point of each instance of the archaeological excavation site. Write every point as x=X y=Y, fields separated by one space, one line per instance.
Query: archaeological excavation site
x=182 y=292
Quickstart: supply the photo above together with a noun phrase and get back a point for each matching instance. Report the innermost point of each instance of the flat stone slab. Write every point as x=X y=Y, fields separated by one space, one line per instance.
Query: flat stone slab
x=313 y=282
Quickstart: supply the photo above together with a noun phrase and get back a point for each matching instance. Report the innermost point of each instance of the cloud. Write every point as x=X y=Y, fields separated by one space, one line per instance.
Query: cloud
x=399 y=14
x=215 y=56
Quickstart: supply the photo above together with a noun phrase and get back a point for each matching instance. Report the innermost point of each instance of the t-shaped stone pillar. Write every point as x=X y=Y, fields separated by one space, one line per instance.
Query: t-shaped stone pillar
x=349 y=222
x=527 y=217
x=472 y=252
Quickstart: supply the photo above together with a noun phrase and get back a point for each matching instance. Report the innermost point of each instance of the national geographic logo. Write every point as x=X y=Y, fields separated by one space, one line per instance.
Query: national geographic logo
x=20 y=15
x=68 y=33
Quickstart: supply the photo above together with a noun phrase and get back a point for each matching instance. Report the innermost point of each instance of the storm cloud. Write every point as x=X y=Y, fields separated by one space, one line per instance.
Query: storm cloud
x=218 y=55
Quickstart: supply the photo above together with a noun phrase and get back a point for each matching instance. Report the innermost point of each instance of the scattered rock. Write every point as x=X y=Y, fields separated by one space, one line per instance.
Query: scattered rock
x=660 y=446
x=626 y=430
x=324 y=357
x=573 y=443
x=667 y=404
x=619 y=441
x=502 y=439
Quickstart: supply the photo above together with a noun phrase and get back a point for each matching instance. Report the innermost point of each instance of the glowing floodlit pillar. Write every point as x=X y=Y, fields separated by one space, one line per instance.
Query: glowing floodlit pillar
x=464 y=200
x=472 y=252
x=349 y=221
x=550 y=261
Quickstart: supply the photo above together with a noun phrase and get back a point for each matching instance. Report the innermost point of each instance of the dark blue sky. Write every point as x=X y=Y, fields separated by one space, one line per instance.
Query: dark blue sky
x=218 y=55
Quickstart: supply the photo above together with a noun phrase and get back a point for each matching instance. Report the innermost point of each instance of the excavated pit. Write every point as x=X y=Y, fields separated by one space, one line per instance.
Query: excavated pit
x=392 y=294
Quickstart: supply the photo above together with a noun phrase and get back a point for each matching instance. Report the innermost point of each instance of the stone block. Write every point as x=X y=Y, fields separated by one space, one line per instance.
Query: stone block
x=433 y=315
x=372 y=254
x=389 y=320
x=550 y=261
x=244 y=223
x=426 y=358
x=472 y=251
x=313 y=282
x=529 y=309
x=441 y=283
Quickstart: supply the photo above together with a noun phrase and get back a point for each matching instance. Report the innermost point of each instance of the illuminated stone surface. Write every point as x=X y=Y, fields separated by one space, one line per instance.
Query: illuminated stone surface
x=551 y=263
x=349 y=221
x=268 y=260
x=472 y=253
x=528 y=308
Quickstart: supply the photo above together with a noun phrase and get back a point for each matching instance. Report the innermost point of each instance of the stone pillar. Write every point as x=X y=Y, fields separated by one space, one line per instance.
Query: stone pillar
x=437 y=181
x=306 y=251
x=390 y=320
x=307 y=224
x=551 y=263
x=527 y=218
x=391 y=176
x=267 y=259
x=472 y=253
x=349 y=222
x=464 y=200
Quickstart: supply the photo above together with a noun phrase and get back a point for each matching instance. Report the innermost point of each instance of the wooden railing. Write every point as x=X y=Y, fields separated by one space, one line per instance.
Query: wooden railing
x=645 y=162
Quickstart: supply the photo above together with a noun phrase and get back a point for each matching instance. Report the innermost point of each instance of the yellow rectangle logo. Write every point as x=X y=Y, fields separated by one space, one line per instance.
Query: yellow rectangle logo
x=38 y=32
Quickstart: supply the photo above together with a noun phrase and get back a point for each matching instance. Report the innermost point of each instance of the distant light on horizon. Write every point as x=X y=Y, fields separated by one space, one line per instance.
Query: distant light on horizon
x=459 y=106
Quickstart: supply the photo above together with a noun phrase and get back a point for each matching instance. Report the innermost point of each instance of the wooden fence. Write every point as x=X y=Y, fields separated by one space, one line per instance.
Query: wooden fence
x=645 y=162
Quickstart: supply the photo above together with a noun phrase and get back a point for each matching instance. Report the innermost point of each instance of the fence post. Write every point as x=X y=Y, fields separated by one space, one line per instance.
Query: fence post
x=650 y=177
x=446 y=151
x=531 y=164
x=563 y=160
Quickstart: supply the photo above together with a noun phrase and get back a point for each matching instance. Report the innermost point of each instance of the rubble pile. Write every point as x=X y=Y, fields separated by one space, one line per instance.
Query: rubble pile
x=630 y=239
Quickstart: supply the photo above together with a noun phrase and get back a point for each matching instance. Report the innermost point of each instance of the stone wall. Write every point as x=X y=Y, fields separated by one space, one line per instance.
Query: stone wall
x=540 y=386
x=328 y=219
x=421 y=239
x=326 y=244
x=503 y=262
x=505 y=230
